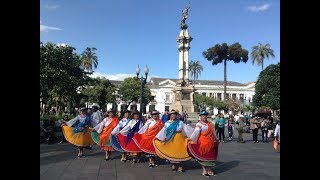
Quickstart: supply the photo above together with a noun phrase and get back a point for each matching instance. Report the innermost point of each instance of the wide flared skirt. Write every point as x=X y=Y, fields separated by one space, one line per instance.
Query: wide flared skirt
x=96 y=138
x=129 y=147
x=147 y=149
x=193 y=149
x=174 y=150
x=115 y=143
x=78 y=139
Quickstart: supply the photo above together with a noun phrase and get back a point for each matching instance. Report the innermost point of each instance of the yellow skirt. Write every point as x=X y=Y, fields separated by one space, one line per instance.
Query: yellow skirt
x=174 y=150
x=78 y=139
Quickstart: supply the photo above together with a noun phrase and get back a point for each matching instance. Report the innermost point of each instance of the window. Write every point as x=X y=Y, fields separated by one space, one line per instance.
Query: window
x=204 y=93
x=167 y=97
x=219 y=96
x=234 y=96
x=241 y=97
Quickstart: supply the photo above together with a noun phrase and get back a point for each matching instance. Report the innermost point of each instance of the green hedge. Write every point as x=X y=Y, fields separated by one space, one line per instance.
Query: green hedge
x=55 y=117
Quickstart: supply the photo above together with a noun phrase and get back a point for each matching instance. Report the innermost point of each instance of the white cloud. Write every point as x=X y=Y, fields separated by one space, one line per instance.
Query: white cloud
x=45 y=28
x=117 y=77
x=261 y=8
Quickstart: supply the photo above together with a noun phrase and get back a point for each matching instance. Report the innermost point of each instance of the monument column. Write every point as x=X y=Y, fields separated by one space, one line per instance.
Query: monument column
x=183 y=91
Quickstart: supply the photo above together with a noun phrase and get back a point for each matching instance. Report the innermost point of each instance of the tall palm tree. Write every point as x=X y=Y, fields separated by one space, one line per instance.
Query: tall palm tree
x=89 y=59
x=260 y=52
x=195 y=69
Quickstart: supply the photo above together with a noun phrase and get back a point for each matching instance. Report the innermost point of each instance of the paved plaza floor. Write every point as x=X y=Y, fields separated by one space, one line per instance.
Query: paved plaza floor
x=240 y=161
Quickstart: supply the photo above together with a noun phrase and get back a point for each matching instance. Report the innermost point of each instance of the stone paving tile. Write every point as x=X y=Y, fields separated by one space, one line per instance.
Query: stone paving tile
x=235 y=160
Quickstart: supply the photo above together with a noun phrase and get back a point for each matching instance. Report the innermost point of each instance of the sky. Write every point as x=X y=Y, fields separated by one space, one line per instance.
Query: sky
x=128 y=33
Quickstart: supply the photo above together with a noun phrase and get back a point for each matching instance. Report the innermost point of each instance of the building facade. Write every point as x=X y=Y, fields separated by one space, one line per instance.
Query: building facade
x=162 y=94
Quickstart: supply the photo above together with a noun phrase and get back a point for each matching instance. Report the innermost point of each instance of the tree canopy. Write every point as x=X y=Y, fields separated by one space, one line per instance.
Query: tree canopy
x=195 y=69
x=129 y=91
x=100 y=91
x=60 y=73
x=261 y=52
x=223 y=53
x=267 y=88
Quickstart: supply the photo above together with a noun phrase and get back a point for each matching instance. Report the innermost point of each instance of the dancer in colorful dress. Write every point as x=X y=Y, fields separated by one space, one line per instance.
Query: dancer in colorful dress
x=102 y=132
x=79 y=135
x=126 y=134
x=143 y=138
x=170 y=144
x=114 y=140
x=202 y=145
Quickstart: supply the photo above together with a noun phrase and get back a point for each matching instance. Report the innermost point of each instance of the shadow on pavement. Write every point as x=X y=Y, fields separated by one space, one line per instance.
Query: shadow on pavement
x=223 y=167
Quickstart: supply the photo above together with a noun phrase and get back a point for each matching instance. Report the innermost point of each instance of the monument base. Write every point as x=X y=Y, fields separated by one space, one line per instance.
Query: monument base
x=183 y=99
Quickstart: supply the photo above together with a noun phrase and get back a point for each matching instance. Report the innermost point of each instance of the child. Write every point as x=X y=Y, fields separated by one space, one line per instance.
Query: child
x=230 y=130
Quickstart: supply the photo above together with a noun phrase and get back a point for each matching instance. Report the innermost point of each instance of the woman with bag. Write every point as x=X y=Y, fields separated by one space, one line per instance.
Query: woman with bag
x=277 y=136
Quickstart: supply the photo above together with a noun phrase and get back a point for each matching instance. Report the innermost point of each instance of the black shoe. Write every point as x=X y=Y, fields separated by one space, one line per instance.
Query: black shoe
x=206 y=175
x=107 y=159
x=150 y=165
x=89 y=147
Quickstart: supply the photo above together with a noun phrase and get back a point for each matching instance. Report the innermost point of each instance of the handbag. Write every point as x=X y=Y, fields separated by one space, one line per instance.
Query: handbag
x=275 y=144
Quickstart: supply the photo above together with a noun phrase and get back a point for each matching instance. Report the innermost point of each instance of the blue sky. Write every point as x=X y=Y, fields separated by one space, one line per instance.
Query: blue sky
x=128 y=33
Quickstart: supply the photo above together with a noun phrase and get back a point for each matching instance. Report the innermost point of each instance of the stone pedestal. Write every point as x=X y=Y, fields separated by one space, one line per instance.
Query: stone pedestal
x=183 y=98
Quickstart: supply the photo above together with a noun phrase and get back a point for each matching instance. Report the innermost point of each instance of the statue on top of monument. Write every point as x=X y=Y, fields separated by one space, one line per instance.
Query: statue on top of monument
x=185 y=16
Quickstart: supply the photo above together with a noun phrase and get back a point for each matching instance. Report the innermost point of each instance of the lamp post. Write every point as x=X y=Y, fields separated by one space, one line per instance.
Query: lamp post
x=143 y=82
x=114 y=101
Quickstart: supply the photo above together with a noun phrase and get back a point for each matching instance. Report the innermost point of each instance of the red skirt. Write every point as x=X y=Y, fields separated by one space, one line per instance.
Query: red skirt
x=130 y=147
x=193 y=150
x=149 y=149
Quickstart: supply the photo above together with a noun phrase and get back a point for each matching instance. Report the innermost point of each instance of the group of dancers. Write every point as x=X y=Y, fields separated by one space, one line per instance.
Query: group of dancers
x=173 y=140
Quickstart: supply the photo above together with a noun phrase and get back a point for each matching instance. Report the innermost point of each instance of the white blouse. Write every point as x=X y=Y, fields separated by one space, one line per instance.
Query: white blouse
x=200 y=127
x=150 y=122
x=129 y=126
x=76 y=119
x=96 y=118
x=120 y=125
x=102 y=124
x=181 y=127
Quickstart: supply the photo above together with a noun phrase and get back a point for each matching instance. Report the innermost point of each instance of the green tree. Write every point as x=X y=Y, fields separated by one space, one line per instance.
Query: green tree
x=195 y=69
x=202 y=100
x=260 y=52
x=248 y=108
x=267 y=88
x=60 y=74
x=223 y=53
x=220 y=105
x=89 y=59
x=129 y=91
x=100 y=91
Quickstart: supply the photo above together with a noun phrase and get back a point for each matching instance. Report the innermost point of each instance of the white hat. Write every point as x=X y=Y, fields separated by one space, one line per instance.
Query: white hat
x=95 y=104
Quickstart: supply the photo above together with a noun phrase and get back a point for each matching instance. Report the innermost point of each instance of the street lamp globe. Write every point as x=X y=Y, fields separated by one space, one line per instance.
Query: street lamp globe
x=146 y=70
x=138 y=71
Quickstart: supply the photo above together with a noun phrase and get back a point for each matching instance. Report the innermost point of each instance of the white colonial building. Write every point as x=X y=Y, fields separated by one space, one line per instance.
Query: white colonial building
x=162 y=94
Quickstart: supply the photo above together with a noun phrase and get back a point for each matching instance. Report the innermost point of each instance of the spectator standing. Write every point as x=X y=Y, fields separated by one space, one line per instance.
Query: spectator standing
x=254 y=127
x=221 y=126
x=239 y=128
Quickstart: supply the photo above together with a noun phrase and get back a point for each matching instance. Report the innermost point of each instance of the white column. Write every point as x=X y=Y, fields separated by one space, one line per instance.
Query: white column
x=181 y=64
x=186 y=60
